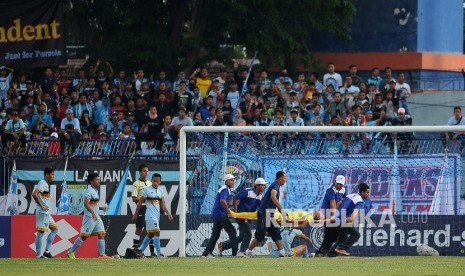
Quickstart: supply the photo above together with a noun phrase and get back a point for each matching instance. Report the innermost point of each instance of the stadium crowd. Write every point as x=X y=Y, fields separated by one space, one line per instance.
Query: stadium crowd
x=65 y=111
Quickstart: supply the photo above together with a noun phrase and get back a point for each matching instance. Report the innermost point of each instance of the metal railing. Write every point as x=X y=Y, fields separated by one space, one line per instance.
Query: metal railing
x=212 y=143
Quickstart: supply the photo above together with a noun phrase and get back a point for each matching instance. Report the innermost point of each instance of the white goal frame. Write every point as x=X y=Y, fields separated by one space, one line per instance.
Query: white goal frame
x=235 y=129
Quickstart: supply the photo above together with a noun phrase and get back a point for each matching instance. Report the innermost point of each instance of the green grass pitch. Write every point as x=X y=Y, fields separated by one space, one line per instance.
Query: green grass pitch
x=238 y=266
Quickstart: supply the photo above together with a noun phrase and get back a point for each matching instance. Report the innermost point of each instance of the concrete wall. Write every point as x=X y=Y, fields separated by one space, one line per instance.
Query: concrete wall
x=440 y=26
x=435 y=108
x=400 y=26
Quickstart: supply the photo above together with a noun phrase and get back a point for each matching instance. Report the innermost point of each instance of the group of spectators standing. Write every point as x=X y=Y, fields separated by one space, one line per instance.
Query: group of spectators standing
x=151 y=110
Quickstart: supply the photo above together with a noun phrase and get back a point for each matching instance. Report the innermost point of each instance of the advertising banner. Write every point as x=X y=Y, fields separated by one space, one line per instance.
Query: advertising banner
x=30 y=172
x=23 y=234
x=5 y=237
x=32 y=33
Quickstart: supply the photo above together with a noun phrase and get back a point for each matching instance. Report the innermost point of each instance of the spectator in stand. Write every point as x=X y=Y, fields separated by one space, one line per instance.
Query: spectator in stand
x=178 y=122
x=223 y=75
x=177 y=82
x=42 y=119
x=79 y=108
x=129 y=120
x=227 y=109
x=356 y=79
x=379 y=110
x=371 y=92
x=389 y=105
x=455 y=120
x=282 y=78
x=332 y=77
x=240 y=76
x=263 y=82
x=314 y=79
x=375 y=78
x=233 y=94
x=80 y=81
x=102 y=115
x=163 y=108
x=139 y=79
x=63 y=81
x=6 y=77
x=163 y=90
x=237 y=118
x=120 y=81
x=117 y=105
x=216 y=93
x=183 y=98
x=90 y=87
x=349 y=88
x=404 y=139
x=48 y=83
x=140 y=113
x=197 y=100
x=161 y=79
x=221 y=119
x=337 y=106
x=14 y=130
x=70 y=131
x=388 y=78
x=300 y=84
x=86 y=122
x=129 y=93
x=197 y=121
x=356 y=119
x=202 y=81
x=405 y=91
x=246 y=106
x=151 y=129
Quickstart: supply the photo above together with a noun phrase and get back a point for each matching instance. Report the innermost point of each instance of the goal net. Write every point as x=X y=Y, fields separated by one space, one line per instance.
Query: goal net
x=413 y=173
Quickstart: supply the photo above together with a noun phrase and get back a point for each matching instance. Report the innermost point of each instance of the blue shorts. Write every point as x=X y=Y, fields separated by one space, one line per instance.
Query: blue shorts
x=44 y=221
x=152 y=226
x=91 y=227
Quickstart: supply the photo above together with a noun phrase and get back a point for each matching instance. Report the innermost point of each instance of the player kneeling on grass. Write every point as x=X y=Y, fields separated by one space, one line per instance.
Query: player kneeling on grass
x=44 y=220
x=350 y=209
x=153 y=198
x=92 y=224
x=288 y=235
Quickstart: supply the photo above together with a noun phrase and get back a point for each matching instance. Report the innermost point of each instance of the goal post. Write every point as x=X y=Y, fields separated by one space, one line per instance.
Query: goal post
x=345 y=134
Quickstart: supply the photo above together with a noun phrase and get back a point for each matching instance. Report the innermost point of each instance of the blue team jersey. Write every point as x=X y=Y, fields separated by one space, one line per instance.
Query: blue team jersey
x=44 y=195
x=153 y=199
x=333 y=194
x=92 y=195
x=267 y=203
x=350 y=203
x=249 y=200
x=218 y=211
x=368 y=205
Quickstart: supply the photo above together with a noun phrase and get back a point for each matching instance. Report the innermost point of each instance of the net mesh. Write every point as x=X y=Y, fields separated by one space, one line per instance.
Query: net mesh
x=415 y=180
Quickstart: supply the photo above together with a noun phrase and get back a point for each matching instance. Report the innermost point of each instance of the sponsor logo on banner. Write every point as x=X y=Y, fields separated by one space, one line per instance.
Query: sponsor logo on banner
x=23 y=234
x=32 y=33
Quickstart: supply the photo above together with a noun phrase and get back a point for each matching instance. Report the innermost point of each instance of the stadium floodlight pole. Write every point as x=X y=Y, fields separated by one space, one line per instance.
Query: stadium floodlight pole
x=255 y=129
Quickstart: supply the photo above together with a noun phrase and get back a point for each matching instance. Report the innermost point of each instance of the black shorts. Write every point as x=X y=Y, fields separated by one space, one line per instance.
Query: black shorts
x=262 y=229
x=140 y=223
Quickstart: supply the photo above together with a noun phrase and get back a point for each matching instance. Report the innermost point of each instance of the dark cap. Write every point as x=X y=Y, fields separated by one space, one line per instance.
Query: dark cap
x=292 y=92
x=103 y=133
x=114 y=113
x=29 y=82
x=294 y=110
x=129 y=114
